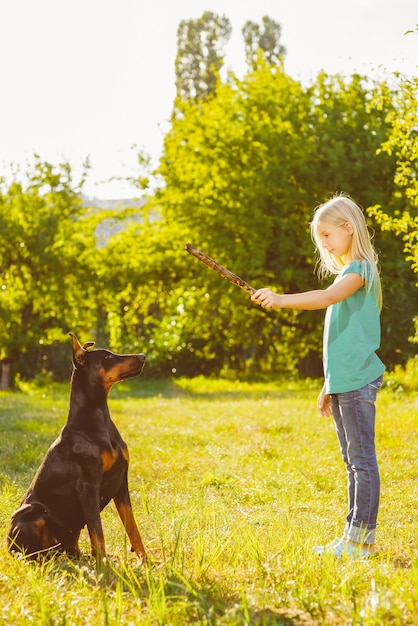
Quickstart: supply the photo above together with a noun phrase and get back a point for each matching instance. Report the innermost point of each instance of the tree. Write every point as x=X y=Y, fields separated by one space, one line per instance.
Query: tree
x=200 y=55
x=402 y=146
x=232 y=167
x=352 y=118
x=242 y=173
x=47 y=267
x=264 y=39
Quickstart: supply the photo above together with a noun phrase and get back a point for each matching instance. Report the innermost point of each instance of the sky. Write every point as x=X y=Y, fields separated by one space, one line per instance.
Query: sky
x=93 y=78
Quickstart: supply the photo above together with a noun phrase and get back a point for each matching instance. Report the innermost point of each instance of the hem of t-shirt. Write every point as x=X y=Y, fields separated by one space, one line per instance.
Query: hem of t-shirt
x=369 y=380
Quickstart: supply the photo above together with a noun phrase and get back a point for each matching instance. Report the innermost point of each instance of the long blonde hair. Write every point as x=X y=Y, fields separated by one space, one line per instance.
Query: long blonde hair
x=337 y=211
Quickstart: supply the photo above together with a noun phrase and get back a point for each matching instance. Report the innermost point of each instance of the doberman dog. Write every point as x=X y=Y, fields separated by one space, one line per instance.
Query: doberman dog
x=85 y=468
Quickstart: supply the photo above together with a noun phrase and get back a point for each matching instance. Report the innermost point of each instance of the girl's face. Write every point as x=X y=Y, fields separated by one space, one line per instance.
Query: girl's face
x=336 y=239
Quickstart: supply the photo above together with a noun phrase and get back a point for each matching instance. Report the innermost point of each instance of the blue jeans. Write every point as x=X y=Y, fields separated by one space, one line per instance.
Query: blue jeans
x=354 y=415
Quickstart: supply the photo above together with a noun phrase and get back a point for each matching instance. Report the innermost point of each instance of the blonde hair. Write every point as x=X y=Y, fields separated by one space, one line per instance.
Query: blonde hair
x=337 y=211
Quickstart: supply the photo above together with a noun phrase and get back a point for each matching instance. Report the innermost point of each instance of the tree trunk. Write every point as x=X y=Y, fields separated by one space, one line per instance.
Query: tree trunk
x=311 y=365
x=4 y=374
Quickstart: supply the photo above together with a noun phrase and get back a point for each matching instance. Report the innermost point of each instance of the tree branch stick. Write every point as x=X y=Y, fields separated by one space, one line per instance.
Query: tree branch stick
x=213 y=265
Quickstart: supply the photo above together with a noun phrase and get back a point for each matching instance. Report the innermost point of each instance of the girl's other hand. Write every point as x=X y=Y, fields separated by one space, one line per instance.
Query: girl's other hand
x=324 y=403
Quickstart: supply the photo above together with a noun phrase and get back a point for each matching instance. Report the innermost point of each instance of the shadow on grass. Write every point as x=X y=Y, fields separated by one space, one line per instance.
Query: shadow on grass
x=58 y=394
x=217 y=390
x=208 y=602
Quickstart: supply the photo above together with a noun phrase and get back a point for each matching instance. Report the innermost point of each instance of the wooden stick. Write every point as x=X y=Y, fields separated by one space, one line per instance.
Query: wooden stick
x=233 y=278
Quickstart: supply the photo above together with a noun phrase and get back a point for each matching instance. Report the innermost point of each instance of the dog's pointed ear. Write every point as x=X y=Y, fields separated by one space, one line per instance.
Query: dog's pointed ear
x=78 y=352
x=88 y=344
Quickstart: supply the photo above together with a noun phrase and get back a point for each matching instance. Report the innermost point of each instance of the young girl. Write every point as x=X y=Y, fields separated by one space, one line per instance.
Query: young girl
x=353 y=372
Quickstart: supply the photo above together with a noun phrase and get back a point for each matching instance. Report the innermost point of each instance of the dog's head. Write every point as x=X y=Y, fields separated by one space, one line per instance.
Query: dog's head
x=103 y=367
x=32 y=531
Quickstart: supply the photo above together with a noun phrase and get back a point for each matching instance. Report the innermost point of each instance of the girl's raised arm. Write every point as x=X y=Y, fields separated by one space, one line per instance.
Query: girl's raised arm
x=310 y=300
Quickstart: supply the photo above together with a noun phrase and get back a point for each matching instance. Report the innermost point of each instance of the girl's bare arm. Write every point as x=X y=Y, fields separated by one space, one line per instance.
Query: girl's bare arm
x=310 y=300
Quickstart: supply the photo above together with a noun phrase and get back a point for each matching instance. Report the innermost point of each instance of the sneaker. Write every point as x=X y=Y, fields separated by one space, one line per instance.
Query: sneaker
x=329 y=547
x=341 y=547
x=355 y=552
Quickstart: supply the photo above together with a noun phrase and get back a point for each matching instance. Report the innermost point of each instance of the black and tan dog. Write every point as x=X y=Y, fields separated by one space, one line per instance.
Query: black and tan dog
x=85 y=468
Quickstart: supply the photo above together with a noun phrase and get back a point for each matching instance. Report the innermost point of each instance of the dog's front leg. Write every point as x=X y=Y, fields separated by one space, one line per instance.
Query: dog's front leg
x=89 y=497
x=124 y=507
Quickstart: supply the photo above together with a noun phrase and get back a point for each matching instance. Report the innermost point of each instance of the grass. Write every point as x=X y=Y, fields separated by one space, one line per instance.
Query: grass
x=232 y=484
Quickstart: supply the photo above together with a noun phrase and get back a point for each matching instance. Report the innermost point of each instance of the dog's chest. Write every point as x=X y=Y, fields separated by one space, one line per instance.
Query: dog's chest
x=114 y=459
x=114 y=474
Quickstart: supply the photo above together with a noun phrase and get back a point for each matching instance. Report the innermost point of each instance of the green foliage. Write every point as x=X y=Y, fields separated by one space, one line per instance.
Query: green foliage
x=232 y=169
x=349 y=120
x=404 y=379
x=141 y=311
x=42 y=254
x=242 y=173
x=352 y=120
x=402 y=145
x=263 y=39
x=52 y=272
x=231 y=486
x=200 y=54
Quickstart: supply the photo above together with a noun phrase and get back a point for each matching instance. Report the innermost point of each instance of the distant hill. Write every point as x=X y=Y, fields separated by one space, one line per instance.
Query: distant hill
x=109 y=226
x=122 y=203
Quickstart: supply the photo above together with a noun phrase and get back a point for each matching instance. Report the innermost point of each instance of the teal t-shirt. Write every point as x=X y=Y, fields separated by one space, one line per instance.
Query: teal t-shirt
x=351 y=338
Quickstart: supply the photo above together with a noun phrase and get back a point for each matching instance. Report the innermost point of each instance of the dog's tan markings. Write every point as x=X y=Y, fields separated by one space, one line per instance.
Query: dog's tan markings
x=41 y=531
x=97 y=544
x=128 y=520
x=125 y=454
x=39 y=527
x=108 y=459
x=108 y=379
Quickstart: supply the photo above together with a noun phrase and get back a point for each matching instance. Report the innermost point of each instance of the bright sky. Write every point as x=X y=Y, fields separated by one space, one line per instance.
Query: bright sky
x=94 y=77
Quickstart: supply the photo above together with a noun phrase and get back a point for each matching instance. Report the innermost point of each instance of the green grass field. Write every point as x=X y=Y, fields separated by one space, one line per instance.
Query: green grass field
x=232 y=484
